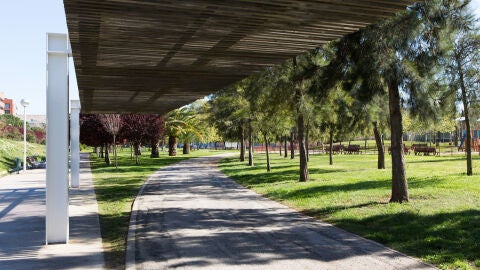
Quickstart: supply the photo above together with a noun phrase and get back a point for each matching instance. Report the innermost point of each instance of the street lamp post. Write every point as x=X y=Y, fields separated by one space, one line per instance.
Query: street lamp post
x=24 y=103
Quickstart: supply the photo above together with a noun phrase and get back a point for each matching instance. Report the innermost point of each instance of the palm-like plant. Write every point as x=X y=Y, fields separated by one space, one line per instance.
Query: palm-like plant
x=180 y=122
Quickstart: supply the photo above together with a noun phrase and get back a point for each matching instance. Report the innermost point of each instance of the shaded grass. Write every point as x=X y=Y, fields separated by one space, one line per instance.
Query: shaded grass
x=440 y=224
x=10 y=149
x=116 y=188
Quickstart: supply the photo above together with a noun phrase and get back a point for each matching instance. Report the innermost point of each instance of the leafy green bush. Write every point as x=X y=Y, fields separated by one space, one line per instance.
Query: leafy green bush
x=31 y=137
x=84 y=147
x=12 y=120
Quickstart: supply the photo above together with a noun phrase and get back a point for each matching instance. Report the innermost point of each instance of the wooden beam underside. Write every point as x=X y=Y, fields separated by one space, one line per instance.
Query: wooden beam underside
x=147 y=56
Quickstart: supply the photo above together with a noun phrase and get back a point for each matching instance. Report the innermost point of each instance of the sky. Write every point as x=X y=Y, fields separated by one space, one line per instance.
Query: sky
x=23 y=28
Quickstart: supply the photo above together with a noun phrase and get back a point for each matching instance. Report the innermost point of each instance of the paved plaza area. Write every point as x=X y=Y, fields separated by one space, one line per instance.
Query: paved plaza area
x=191 y=216
x=22 y=224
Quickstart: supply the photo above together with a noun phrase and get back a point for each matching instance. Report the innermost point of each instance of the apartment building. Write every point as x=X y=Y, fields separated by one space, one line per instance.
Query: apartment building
x=2 y=105
x=7 y=106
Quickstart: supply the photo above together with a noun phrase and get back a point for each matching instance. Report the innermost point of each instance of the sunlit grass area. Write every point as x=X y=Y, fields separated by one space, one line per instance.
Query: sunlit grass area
x=440 y=224
x=116 y=189
x=10 y=149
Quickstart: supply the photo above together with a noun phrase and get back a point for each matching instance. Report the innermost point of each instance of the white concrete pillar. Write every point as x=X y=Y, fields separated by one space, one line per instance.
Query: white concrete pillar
x=74 y=143
x=57 y=139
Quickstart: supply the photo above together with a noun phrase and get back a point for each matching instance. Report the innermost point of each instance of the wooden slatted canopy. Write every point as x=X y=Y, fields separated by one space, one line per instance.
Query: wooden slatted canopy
x=152 y=56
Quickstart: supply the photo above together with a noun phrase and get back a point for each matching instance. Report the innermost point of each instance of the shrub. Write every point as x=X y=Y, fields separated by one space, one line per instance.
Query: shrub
x=12 y=120
x=39 y=135
x=31 y=137
x=11 y=132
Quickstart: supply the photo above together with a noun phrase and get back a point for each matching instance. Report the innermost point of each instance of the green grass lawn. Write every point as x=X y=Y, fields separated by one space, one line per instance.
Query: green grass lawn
x=10 y=149
x=116 y=189
x=440 y=224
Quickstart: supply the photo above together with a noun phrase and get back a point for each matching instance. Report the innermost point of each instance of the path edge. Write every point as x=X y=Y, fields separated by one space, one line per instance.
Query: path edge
x=132 y=225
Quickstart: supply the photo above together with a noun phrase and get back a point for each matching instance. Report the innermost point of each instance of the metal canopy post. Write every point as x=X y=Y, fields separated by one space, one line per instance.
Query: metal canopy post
x=75 y=143
x=57 y=225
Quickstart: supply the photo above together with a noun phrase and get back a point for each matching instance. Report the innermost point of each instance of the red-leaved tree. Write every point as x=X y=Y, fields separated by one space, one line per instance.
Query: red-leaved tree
x=112 y=124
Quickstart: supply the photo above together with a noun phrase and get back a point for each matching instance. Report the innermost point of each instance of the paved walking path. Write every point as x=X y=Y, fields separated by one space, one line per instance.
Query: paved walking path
x=22 y=224
x=191 y=216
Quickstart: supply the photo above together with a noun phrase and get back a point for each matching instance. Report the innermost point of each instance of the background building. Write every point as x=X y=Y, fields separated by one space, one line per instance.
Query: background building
x=9 y=106
x=35 y=120
x=2 y=105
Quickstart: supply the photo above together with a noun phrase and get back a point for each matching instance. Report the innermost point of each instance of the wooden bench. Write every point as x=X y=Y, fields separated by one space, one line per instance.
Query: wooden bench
x=415 y=145
x=425 y=150
x=33 y=163
x=352 y=149
x=406 y=150
x=336 y=148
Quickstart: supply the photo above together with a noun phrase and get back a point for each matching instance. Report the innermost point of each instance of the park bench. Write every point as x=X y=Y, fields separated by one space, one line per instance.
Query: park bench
x=406 y=150
x=415 y=145
x=336 y=148
x=17 y=167
x=425 y=150
x=33 y=163
x=352 y=149
x=419 y=148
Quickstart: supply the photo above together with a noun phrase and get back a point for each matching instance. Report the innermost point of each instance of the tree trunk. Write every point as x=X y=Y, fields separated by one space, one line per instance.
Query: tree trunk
x=379 y=143
x=468 y=146
x=131 y=151
x=280 y=147
x=162 y=143
x=136 y=151
x=186 y=148
x=285 y=146
x=266 y=151
x=455 y=136
x=292 y=148
x=215 y=146
x=172 y=146
x=242 y=144
x=250 y=143
x=302 y=150
x=399 y=177
x=107 y=155
x=115 y=150
x=101 y=151
x=154 y=153
x=331 y=146
x=307 y=148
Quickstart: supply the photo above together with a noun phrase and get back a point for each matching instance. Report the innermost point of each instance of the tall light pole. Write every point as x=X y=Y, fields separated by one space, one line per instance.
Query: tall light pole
x=24 y=103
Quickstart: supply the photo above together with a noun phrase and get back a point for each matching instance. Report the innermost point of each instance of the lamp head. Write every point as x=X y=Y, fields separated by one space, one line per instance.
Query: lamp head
x=25 y=102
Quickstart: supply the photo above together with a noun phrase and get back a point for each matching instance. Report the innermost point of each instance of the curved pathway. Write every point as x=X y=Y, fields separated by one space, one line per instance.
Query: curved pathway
x=191 y=216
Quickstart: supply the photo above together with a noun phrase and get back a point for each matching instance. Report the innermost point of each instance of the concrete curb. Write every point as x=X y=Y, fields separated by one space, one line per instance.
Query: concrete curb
x=132 y=227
